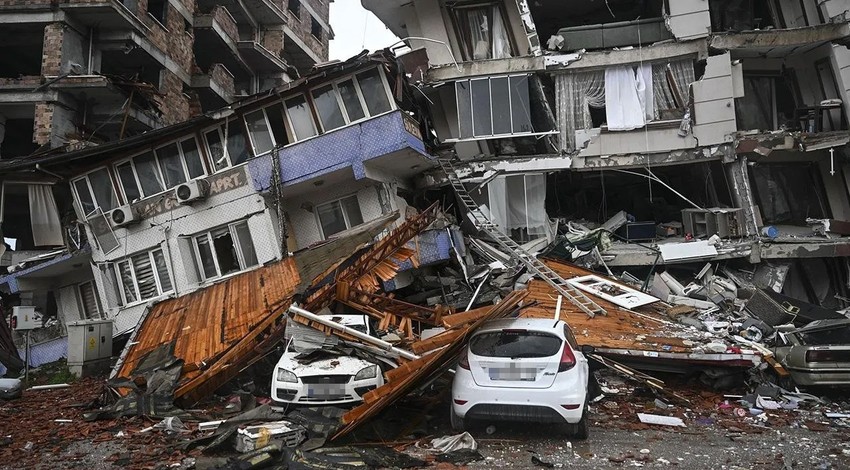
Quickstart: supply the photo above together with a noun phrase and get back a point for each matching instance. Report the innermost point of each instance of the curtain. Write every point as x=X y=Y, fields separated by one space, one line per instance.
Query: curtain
x=682 y=72
x=575 y=92
x=646 y=96
x=535 y=194
x=622 y=105
x=496 y=191
x=479 y=33
x=44 y=216
x=501 y=43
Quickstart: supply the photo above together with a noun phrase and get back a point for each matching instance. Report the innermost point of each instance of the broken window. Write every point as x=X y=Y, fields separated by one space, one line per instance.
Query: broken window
x=352 y=99
x=493 y=106
x=142 y=276
x=157 y=9
x=224 y=250
x=517 y=205
x=156 y=171
x=339 y=215
x=89 y=300
x=768 y=104
x=95 y=190
x=482 y=31
x=789 y=193
x=828 y=92
x=300 y=117
x=266 y=129
x=30 y=216
x=227 y=146
x=315 y=28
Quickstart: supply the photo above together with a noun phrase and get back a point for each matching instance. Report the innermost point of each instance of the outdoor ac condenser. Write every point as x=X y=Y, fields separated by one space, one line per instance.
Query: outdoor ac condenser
x=122 y=216
x=725 y=222
x=191 y=191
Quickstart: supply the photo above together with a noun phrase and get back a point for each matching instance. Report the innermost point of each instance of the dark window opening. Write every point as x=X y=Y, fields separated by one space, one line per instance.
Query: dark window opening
x=157 y=9
x=22 y=51
x=17 y=141
x=294 y=7
x=768 y=104
x=316 y=29
x=743 y=15
x=16 y=216
x=789 y=193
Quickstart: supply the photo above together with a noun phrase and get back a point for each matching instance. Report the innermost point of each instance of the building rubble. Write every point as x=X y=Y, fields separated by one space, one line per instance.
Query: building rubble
x=667 y=178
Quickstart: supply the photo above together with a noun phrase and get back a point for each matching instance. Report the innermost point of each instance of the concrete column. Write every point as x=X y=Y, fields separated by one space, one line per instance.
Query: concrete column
x=742 y=193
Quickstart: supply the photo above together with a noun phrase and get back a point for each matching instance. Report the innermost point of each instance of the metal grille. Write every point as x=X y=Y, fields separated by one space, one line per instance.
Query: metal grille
x=326 y=379
x=540 y=414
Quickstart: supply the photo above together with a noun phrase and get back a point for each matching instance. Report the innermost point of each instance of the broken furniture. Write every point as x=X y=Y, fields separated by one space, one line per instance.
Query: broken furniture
x=725 y=222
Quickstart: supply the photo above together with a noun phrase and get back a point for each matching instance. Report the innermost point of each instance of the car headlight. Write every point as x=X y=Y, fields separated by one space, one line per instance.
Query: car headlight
x=368 y=372
x=284 y=375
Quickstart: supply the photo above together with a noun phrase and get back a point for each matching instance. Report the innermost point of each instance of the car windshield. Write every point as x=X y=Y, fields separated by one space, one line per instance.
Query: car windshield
x=515 y=344
x=824 y=337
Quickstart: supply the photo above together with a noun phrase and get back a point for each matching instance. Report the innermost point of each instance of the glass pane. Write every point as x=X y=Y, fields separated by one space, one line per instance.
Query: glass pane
x=128 y=182
x=148 y=174
x=104 y=193
x=162 y=271
x=372 y=87
x=112 y=284
x=237 y=147
x=216 y=149
x=89 y=299
x=171 y=166
x=260 y=134
x=300 y=118
x=520 y=107
x=515 y=344
x=249 y=257
x=478 y=28
x=352 y=210
x=464 y=109
x=275 y=116
x=351 y=100
x=481 y=123
x=193 y=158
x=126 y=281
x=144 y=276
x=330 y=216
x=206 y=261
x=84 y=196
x=500 y=92
x=225 y=251
x=328 y=108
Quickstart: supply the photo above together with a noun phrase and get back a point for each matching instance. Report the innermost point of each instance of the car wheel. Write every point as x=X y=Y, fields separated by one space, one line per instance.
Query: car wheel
x=458 y=423
x=580 y=430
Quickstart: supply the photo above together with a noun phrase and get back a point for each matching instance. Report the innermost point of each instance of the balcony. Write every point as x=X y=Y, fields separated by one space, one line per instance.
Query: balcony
x=260 y=59
x=264 y=12
x=215 y=88
x=389 y=144
x=106 y=15
x=216 y=38
x=610 y=35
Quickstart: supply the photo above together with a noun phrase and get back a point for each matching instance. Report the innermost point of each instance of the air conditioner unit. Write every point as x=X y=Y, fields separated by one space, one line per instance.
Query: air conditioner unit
x=191 y=191
x=124 y=215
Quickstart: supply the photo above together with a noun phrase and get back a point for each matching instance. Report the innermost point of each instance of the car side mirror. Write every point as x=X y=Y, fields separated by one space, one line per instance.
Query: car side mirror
x=587 y=349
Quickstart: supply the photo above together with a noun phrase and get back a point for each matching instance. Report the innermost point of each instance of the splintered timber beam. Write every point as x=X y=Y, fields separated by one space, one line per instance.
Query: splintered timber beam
x=406 y=378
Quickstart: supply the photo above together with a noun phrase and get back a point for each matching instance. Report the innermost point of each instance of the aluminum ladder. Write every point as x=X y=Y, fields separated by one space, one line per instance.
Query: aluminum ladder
x=515 y=251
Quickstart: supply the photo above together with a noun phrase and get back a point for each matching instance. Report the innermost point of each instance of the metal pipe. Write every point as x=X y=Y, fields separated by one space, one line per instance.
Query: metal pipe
x=350 y=331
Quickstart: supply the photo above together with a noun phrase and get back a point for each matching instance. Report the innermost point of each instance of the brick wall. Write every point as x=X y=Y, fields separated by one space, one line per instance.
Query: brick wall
x=173 y=103
x=226 y=21
x=273 y=41
x=43 y=123
x=302 y=26
x=51 y=53
x=223 y=77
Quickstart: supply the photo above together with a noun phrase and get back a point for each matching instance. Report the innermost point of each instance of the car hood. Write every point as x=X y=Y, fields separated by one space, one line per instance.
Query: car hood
x=343 y=365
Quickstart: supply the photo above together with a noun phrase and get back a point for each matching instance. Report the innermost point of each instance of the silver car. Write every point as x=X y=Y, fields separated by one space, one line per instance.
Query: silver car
x=816 y=354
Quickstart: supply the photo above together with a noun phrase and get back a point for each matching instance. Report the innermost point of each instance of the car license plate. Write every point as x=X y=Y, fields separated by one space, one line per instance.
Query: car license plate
x=513 y=372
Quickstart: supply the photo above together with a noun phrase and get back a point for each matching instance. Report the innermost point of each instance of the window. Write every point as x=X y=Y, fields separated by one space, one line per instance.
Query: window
x=493 y=106
x=236 y=151
x=482 y=32
x=339 y=215
x=352 y=99
x=517 y=205
x=89 y=300
x=789 y=193
x=768 y=104
x=315 y=28
x=515 y=344
x=164 y=168
x=224 y=251
x=95 y=190
x=300 y=117
x=142 y=276
x=157 y=9
x=266 y=129
x=294 y=7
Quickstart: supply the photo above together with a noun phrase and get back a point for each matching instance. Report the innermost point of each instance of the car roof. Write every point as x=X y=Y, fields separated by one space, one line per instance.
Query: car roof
x=823 y=325
x=539 y=324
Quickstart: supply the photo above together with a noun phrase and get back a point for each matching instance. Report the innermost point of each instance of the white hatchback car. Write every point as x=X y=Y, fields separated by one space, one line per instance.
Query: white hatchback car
x=522 y=370
x=327 y=379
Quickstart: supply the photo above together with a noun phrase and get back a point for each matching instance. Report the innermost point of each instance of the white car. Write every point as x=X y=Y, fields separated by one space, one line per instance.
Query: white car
x=522 y=370
x=328 y=379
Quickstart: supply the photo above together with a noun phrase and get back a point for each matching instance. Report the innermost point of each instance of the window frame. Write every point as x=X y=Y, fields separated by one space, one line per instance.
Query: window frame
x=466 y=48
x=85 y=177
x=310 y=107
x=82 y=302
x=237 y=244
x=345 y=218
x=238 y=120
x=122 y=295
x=360 y=97
x=489 y=78
x=265 y=110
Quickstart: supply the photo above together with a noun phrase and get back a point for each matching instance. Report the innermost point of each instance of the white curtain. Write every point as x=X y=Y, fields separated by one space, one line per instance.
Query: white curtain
x=501 y=43
x=575 y=93
x=643 y=77
x=498 y=203
x=44 y=216
x=517 y=205
x=535 y=194
x=622 y=105
x=682 y=72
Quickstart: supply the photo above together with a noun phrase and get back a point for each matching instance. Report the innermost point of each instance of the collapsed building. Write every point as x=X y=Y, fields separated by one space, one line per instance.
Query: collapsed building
x=648 y=138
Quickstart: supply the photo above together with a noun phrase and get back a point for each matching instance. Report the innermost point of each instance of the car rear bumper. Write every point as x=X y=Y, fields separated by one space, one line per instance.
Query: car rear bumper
x=815 y=377
x=543 y=405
